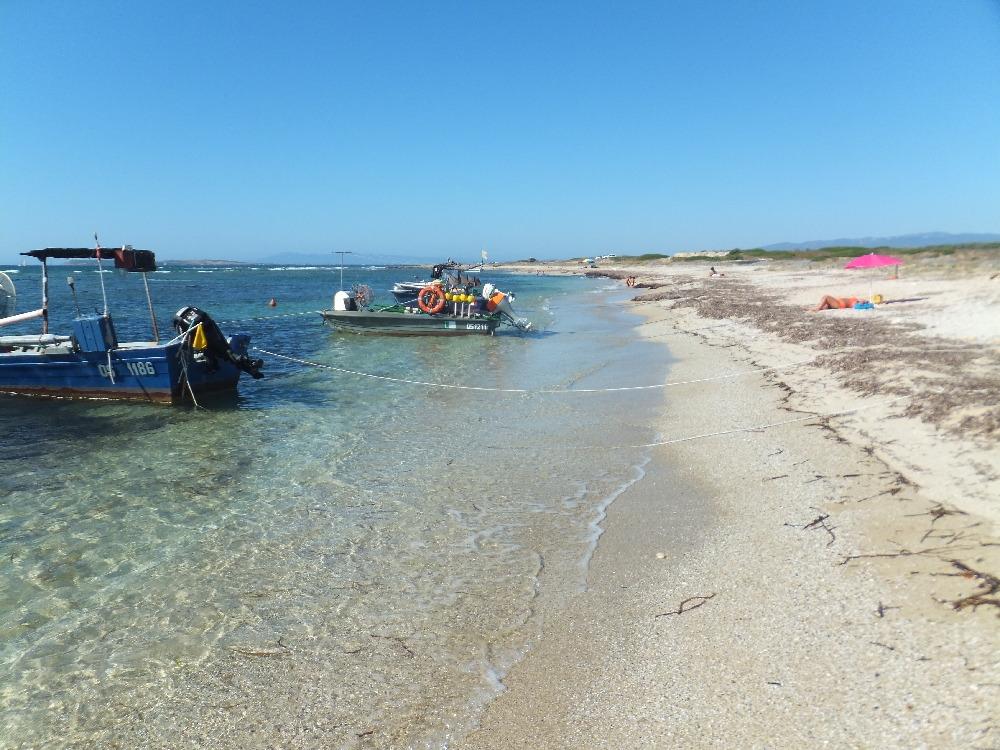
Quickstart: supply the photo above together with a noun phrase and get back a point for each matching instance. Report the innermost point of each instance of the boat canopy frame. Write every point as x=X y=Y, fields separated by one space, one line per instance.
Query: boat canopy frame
x=125 y=257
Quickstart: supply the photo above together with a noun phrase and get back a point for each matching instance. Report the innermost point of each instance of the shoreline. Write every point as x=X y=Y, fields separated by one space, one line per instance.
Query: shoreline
x=841 y=593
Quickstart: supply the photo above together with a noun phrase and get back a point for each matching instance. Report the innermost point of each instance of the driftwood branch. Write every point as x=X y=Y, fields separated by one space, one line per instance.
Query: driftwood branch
x=693 y=601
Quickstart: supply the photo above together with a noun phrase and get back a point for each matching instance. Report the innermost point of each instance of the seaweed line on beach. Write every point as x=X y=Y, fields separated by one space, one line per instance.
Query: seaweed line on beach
x=952 y=388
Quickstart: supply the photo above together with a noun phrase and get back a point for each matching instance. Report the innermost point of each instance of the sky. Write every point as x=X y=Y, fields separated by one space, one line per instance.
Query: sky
x=243 y=130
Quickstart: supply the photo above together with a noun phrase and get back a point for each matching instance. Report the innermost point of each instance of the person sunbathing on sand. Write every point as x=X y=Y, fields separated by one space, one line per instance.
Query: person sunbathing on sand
x=835 y=303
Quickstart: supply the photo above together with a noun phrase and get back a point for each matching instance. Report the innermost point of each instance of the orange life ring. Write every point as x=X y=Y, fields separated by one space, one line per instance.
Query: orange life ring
x=426 y=299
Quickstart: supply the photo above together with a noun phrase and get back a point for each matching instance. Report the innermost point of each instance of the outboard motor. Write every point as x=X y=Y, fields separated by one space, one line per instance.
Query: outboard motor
x=497 y=301
x=217 y=347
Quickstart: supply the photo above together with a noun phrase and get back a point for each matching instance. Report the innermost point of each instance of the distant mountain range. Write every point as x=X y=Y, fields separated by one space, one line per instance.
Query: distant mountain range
x=901 y=240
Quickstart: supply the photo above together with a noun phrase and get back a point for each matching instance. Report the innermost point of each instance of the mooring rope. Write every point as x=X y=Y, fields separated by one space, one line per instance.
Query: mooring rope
x=428 y=384
x=705 y=435
x=182 y=358
x=272 y=317
x=761 y=427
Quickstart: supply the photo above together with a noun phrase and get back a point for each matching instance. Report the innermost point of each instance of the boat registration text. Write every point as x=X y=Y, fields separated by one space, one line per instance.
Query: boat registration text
x=136 y=368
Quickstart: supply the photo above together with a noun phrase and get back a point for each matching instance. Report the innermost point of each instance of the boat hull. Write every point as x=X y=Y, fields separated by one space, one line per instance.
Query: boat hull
x=135 y=372
x=403 y=324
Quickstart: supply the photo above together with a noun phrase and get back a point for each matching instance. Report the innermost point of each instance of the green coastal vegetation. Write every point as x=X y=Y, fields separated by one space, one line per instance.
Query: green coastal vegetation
x=826 y=253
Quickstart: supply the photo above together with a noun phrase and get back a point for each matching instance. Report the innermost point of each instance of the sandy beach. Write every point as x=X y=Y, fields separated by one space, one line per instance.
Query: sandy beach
x=846 y=591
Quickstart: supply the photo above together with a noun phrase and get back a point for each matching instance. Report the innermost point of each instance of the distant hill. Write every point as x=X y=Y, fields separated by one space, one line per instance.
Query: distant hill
x=353 y=259
x=902 y=240
x=203 y=262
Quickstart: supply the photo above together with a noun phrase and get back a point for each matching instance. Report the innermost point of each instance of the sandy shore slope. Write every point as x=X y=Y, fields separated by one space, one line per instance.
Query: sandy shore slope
x=847 y=592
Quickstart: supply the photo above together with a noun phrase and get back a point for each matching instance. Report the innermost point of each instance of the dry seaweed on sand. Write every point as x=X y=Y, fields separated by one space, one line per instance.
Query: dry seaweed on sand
x=952 y=388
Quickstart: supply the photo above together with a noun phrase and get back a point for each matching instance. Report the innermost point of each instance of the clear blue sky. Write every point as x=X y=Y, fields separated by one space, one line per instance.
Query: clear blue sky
x=246 y=129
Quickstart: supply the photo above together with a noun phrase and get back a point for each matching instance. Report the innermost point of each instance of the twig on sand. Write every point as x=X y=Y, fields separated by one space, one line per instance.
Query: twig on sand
x=891 y=491
x=882 y=609
x=883 y=645
x=989 y=583
x=397 y=639
x=819 y=523
x=281 y=651
x=951 y=536
x=698 y=601
x=901 y=553
x=937 y=512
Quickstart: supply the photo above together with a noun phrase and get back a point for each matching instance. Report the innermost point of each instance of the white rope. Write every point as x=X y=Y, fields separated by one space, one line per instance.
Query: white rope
x=272 y=317
x=758 y=428
x=182 y=358
x=526 y=390
x=704 y=435
x=175 y=339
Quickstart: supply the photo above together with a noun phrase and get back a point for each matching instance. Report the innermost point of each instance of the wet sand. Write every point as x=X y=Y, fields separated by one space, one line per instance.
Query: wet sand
x=839 y=588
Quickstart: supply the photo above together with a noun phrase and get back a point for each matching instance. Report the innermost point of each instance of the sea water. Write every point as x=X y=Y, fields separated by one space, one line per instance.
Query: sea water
x=329 y=559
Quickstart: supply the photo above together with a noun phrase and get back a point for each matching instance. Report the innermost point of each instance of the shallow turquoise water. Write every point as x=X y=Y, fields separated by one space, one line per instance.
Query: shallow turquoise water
x=329 y=560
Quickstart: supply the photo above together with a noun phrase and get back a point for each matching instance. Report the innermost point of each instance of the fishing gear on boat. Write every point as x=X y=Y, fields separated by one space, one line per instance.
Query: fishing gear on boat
x=448 y=306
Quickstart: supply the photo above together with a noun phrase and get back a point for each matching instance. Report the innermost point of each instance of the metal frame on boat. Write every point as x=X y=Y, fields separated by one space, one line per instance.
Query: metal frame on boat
x=450 y=272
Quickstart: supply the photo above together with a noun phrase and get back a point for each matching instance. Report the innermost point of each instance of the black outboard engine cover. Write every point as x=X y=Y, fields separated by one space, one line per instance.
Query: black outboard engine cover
x=188 y=317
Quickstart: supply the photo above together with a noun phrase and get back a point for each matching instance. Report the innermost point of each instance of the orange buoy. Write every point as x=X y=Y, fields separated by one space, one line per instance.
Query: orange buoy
x=431 y=299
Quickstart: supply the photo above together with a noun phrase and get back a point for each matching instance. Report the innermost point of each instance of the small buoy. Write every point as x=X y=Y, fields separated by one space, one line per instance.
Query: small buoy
x=272 y=302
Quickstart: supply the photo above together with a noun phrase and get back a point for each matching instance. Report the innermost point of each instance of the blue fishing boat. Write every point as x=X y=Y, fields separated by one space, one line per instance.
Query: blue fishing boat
x=90 y=361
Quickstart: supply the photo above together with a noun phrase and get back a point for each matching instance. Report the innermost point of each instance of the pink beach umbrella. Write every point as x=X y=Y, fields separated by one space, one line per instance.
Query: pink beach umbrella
x=873 y=260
